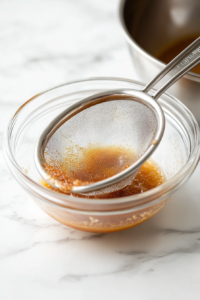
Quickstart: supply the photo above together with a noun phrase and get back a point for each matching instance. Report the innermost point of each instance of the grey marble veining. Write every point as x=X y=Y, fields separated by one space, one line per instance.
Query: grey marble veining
x=43 y=44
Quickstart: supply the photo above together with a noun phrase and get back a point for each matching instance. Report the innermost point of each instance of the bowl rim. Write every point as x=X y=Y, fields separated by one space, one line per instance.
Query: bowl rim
x=57 y=198
x=190 y=75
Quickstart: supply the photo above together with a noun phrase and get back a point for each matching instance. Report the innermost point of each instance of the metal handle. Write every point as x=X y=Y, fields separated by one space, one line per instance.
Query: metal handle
x=179 y=66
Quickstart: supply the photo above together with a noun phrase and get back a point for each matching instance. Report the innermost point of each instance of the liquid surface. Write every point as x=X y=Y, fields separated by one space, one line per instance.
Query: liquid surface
x=167 y=54
x=100 y=163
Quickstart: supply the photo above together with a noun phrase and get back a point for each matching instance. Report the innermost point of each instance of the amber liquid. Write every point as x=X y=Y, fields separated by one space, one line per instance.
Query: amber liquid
x=98 y=163
x=174 y=49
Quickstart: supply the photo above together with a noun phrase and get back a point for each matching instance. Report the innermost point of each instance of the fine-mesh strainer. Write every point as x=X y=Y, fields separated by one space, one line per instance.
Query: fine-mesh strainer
x=129 y=120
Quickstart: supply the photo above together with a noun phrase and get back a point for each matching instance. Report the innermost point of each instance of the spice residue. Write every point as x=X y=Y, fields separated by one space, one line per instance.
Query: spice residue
x=98 y=163
x=88 y=165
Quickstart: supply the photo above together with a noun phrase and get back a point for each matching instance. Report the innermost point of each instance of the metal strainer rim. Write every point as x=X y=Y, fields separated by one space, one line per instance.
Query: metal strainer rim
x=136 y=95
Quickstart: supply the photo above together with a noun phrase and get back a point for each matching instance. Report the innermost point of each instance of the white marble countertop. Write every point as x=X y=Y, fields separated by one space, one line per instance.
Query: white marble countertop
x=44 y=43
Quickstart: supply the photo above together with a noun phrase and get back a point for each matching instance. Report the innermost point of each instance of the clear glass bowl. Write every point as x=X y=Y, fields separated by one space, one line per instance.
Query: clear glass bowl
x=178 y=155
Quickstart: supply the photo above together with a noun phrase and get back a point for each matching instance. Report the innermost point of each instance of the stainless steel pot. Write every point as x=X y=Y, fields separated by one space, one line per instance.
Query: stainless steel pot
x=150 y=25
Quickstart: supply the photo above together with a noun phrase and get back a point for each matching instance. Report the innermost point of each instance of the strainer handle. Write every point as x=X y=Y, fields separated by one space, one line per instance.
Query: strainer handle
x=179 y=66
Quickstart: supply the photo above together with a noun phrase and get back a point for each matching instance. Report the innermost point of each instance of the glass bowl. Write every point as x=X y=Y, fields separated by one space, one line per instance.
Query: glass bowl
x=177 y=155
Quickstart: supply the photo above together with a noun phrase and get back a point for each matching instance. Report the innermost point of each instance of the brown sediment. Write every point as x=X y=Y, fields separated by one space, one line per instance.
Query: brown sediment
x=100 y=163
x=87 y=165
x=65 y=182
